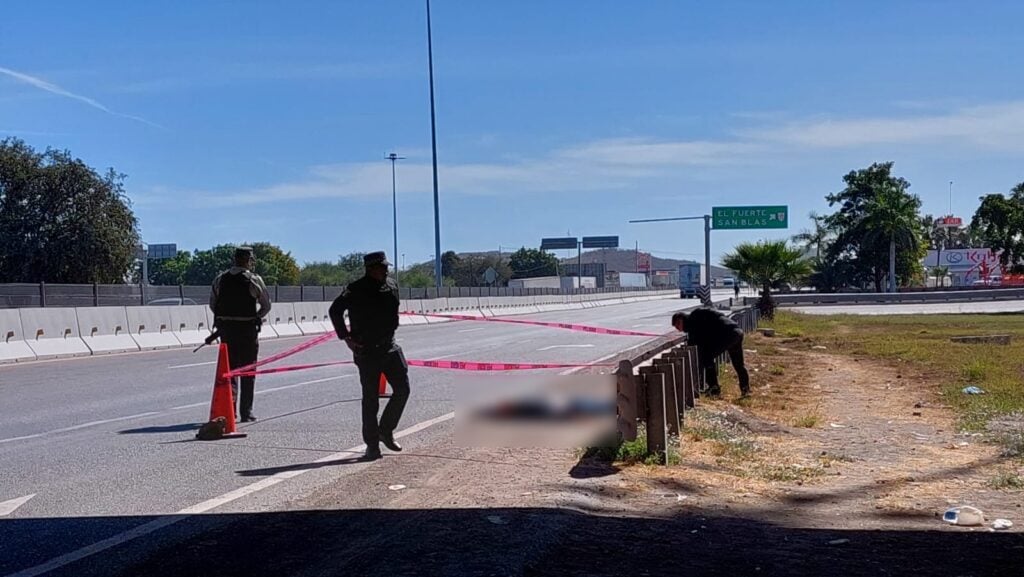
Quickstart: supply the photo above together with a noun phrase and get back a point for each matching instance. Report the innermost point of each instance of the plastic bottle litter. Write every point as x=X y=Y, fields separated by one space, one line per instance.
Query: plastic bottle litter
x=972 y=390
x=964 y=516
x=1002 y=524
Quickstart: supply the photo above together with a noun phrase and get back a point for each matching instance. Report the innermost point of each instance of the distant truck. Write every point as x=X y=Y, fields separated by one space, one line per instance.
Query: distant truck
x=689 y=279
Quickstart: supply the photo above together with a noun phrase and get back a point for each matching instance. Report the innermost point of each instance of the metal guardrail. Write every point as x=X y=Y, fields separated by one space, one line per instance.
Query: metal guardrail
x=25 y=295
x=812 y=298
x=660 y=394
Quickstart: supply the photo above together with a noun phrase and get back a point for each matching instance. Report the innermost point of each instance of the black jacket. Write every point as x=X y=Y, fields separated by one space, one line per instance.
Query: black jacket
x=372 y=313
x=706 y=327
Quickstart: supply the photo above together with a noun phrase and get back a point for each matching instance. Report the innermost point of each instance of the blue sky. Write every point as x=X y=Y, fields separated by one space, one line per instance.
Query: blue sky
x=270 y=120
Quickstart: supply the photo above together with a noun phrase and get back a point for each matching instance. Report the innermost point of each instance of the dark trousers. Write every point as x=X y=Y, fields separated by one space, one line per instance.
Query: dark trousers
x=243 y=343
x=709 y=357
x=371 y=365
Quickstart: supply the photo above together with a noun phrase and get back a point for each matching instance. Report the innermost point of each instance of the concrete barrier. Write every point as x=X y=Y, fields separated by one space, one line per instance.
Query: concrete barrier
x=13 y=347
x=281 y=322
x=53 y=332
x=105 y=329
x=151 y=327
x=312 y=317
x=190 y=324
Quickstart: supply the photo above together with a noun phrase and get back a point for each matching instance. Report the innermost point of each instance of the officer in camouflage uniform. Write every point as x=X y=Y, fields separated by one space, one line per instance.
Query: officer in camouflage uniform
x=233 y=300
x=372 y=305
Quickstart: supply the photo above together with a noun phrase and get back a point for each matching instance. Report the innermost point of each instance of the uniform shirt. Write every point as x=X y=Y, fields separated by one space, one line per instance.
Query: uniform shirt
x=708 y=327
x=257 y=289
x=372 y=312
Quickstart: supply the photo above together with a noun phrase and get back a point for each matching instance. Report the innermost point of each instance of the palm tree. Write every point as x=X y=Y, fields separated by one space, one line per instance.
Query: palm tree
x=940 y=273
x=817 y=237
x=892 y=215
x=768 y=265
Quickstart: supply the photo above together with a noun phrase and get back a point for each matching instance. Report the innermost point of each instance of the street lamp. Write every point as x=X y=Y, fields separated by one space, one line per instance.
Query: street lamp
x=433 y=143
x=394 y=204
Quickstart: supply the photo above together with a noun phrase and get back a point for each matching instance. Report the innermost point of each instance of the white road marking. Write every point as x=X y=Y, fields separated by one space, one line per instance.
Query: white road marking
x=164 y=412
x=82 y=426
x=548 y=348
x=471 y=330
x=8 y=507
x=205 y=506
x=193 y=365
x=334 y=378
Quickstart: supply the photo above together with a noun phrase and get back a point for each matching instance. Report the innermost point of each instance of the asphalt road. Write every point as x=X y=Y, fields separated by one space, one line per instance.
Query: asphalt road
x=100 y=442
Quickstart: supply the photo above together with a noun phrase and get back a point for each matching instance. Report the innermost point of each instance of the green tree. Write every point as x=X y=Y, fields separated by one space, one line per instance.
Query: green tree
x=768 y=265
x=891 y=217
x=60 y=220
x=816 y=237
x=415 y=278
x=323 y=273
x=275 y=265
x=170 y=271
x=999 y=225
x=862 y=257
x=530 y=262
x=272 y=263
x=449 y=262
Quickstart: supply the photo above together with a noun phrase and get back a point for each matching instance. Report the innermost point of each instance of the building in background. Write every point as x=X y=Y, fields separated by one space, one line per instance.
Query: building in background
x=967 y=266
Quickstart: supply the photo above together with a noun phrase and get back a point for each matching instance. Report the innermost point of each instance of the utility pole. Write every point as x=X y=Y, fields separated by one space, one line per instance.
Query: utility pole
x=433 y=144
x=394 y=205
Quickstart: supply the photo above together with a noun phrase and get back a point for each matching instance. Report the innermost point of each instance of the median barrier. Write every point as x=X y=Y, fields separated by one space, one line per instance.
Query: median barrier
x=53 y=332
x=190 y=323
x=105 y=329
x=13 y=347
x=312 y=318
x=151 y=327
x=281 y=322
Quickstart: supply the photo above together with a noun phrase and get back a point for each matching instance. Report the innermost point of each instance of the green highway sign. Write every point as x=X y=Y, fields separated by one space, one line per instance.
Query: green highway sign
x=745 y=217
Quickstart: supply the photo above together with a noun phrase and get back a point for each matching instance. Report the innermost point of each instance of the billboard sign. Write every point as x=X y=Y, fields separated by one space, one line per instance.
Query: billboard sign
x=163 y=251
x=600 y=242
x=558 y=243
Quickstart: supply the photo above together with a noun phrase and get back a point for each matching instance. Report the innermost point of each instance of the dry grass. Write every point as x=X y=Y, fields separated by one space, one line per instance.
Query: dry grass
x=923 y=341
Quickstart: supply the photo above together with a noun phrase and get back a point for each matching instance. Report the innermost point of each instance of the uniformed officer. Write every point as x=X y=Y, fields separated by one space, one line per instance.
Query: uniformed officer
x=372 y=305
x=233 y=300
x=714 y=333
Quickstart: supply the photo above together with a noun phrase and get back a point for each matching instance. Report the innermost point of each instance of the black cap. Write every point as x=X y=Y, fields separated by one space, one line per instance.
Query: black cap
x=243 y=252
x=376 y=258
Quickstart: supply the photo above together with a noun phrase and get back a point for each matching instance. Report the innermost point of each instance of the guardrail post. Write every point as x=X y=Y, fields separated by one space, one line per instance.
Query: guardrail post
x=667 y=368
x=181 y=294
x=142 y=294
x=626 y=401
x=42 y=294
x=95 y=294
x=657 y=439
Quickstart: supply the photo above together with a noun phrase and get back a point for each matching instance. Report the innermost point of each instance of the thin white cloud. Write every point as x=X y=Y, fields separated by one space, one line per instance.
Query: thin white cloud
x=632 y=164
x=992 y=127
x=54 y=89
x=601 y=165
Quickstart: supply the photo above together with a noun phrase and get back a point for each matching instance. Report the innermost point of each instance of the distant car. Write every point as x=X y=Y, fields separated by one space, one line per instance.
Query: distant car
x=171 y=302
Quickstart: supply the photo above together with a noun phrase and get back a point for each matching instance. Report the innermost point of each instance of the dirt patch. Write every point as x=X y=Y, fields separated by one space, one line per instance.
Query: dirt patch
x=833 y=441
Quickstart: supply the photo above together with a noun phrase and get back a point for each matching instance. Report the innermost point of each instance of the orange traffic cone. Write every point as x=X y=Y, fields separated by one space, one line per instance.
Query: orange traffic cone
x=383 y=389
x=223 y=402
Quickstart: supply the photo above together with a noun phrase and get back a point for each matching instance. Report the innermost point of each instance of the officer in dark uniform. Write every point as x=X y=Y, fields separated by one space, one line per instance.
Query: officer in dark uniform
x=714 y=333
x=233 y=300
x=372 y=305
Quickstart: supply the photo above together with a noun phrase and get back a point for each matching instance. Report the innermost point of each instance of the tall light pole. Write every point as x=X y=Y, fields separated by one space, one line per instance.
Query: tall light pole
x=394 y=205
x=433 y=144
x=951 y=198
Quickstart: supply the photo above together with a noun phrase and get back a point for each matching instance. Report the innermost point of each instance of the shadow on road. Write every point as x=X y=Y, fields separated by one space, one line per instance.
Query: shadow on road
x=180 y=428
x=502 y=541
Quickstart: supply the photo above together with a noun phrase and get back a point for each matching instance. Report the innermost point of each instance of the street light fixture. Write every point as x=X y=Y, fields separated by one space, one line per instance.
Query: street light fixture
x=394 y=205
